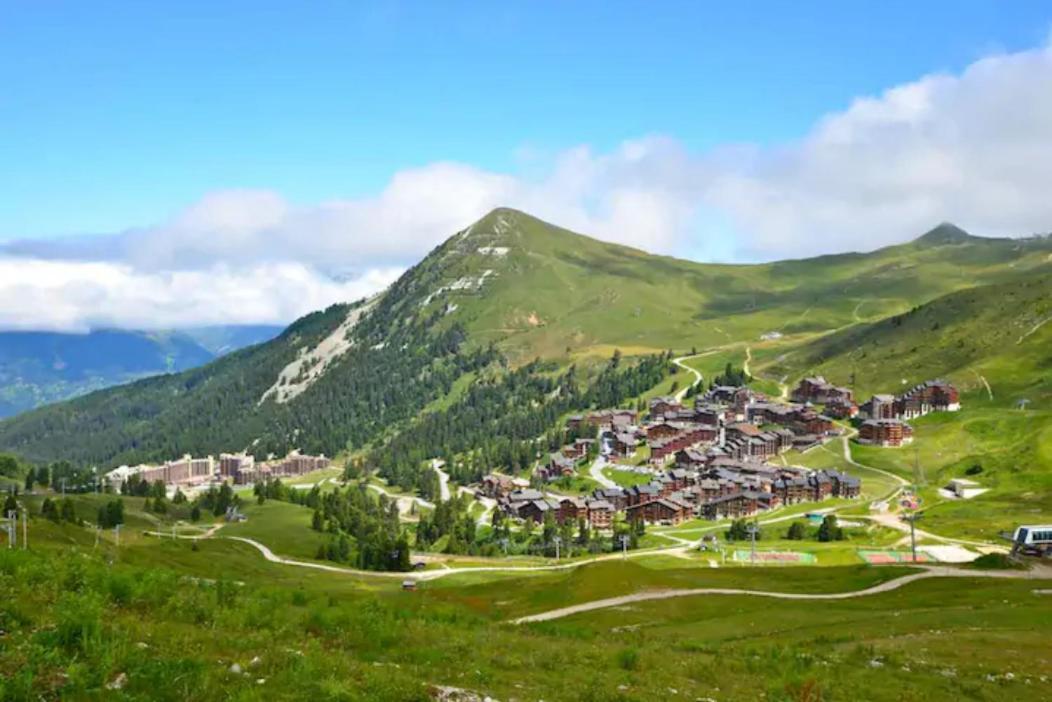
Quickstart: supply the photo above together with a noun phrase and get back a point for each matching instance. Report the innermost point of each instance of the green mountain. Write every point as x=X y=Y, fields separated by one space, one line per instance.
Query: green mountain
x=993 y=341
x=37 y=368
x=505 y=291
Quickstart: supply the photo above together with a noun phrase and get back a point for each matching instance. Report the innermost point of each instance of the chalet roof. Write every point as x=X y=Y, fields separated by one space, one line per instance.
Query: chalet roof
x=562 y=461
x=525 y=495
x=597 y=505
x=667 y=502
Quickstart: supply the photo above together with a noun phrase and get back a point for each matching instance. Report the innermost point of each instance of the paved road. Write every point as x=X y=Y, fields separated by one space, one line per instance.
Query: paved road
x=405 y=502
x=1041 y=572
x=435 y=574
x=596 y=473
x=443 y=479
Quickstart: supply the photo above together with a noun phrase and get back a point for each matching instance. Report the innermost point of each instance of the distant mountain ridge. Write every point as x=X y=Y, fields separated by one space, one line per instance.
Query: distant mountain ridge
x=506 y=290
x=38 y=367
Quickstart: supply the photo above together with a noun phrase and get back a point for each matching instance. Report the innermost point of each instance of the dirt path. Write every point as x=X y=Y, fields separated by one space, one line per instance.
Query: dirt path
x=846 y=439
x=435 y=574
x=854 y=312
x=982 y=378
x=404 y=502
x=888 y=586
x=697 y=374
x=1033 y=329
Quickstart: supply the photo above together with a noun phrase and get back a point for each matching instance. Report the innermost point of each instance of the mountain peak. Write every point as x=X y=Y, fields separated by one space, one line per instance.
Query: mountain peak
x=945 y=233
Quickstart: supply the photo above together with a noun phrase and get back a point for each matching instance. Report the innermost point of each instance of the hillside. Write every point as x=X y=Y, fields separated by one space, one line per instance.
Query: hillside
x=994 y=341
x=506 y=290
x=550 y=292
x=37 y=368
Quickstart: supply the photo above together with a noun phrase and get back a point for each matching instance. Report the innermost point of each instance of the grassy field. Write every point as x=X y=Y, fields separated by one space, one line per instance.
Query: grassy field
x=627 y=478
x=282 y=526
x=830 y=456
x=1012 y=450
x=169 y=622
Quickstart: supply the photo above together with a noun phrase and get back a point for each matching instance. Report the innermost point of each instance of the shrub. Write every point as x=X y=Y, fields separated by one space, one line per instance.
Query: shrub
x=120 y=587
x=628 y=659
x=995 y=561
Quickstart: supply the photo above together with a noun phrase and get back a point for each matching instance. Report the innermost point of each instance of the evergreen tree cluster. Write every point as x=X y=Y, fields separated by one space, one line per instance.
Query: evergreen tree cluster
x=59 y=510
x=502 y=422
x=735 y=377
x=110 y=514
x=218 y=500
x=364 y=529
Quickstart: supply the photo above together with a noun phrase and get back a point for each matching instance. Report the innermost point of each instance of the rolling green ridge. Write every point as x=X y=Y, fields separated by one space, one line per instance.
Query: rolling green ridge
x=996 y=332
x=499 y=294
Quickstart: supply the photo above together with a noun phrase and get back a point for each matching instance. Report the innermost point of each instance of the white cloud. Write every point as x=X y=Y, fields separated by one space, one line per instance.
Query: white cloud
x=974 y=148
x=78 y=296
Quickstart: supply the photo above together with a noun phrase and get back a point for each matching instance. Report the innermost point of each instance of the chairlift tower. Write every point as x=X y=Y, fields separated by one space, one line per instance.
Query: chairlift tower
x=912 y=519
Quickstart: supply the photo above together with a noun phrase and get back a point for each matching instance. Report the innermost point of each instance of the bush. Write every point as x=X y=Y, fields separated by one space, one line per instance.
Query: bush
x=995 y=561
x=628 y=659
x=120 y=588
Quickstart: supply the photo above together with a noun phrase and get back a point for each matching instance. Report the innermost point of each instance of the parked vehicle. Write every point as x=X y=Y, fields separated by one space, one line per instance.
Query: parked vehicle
x=1033 y=540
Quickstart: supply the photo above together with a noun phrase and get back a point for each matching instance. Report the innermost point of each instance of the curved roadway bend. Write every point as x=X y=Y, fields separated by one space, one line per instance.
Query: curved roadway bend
x=1041 y=572
x=697 y=374
x=434 y=574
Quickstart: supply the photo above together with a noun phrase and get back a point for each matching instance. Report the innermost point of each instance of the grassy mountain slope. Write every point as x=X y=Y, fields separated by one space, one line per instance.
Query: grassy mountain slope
x=41 y=367
x=508 y=288
x=554 y=290
x=994 y=336
x=993 y=341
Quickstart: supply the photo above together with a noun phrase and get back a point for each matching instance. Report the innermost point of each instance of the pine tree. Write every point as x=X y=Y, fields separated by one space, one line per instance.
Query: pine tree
x=828 y=530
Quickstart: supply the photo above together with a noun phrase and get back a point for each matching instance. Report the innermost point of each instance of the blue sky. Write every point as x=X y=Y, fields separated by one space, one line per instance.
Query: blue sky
x=119 y=114
x=176 y=164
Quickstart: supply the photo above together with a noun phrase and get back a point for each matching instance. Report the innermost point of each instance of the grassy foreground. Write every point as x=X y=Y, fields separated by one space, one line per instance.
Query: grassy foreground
x=162 y=619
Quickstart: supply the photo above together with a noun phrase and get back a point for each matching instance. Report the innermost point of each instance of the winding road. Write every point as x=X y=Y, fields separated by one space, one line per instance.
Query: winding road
x=443 y=479
x=596 y=473
x=697 y=374
x=1039 y=572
